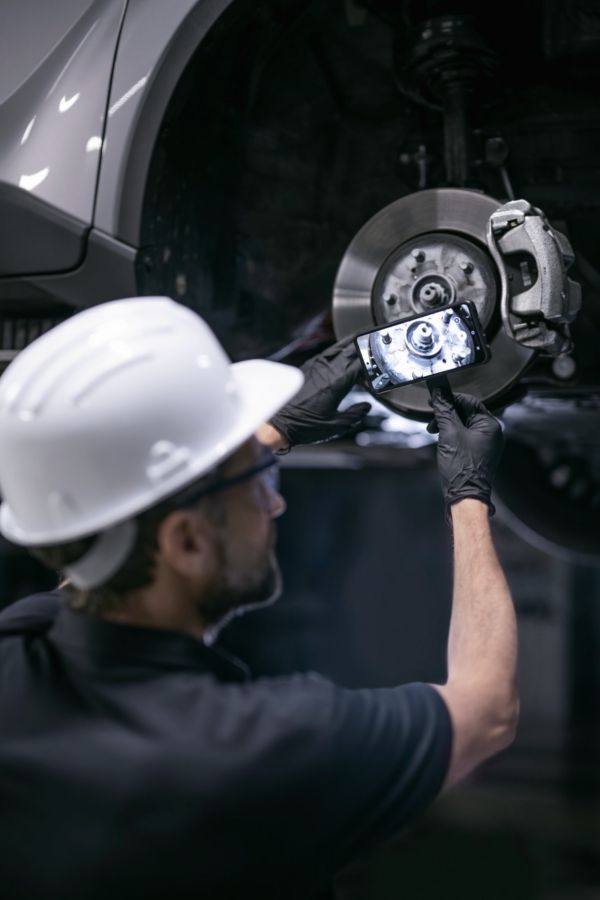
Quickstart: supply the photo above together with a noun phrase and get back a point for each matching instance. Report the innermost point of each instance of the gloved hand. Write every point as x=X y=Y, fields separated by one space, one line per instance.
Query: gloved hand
x=312 y=416
x=469 y=448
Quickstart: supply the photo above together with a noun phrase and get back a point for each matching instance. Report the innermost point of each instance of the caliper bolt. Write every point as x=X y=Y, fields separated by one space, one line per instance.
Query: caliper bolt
x=386 y=338
x=418 y=255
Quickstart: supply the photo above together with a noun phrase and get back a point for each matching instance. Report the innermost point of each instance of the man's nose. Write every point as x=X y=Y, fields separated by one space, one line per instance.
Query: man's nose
x=277 y=504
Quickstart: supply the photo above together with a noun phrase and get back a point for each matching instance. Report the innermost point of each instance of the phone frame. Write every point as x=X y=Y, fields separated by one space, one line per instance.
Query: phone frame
x=479 y=334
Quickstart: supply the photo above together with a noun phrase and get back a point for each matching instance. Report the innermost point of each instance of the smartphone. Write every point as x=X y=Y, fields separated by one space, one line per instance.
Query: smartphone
x=427 y=344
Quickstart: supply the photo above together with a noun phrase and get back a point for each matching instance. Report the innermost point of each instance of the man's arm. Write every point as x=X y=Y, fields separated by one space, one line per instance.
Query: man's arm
x=481 y=692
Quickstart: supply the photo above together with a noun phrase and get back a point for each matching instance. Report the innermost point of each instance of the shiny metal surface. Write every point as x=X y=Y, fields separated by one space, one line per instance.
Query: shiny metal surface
x=537 y=312
x=61 y=134
x=30 y=31
x=157 y=41
x=461 y=212
x=434 y=270
x=52 y=124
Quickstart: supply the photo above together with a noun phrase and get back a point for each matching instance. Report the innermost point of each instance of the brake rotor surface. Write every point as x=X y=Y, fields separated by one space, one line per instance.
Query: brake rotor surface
x=422 y=252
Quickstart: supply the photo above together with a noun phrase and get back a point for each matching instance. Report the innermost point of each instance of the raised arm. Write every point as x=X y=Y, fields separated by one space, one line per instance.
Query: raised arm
x=481 y=692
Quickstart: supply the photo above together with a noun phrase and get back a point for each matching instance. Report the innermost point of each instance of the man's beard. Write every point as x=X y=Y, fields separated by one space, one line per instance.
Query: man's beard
x=238 y=592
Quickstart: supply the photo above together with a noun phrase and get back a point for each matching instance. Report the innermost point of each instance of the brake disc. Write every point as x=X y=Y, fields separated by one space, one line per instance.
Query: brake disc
x=424 y=251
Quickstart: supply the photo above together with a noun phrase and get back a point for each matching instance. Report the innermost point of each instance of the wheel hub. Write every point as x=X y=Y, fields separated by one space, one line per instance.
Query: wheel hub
x=434 y=270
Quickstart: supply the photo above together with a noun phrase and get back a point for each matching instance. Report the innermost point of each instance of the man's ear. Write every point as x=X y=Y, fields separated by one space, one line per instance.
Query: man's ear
x=186 y=543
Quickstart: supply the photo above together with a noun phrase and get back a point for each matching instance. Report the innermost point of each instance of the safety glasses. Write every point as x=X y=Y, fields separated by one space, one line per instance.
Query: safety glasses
x=267 y=470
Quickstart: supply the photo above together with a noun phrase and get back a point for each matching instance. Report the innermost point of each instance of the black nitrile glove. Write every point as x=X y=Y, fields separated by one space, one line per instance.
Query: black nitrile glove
x=469 y=447
x=312 y=415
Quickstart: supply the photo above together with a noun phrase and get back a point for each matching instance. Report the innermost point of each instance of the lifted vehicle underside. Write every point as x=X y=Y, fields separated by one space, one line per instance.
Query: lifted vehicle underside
x=324 y=167
x=357 y=151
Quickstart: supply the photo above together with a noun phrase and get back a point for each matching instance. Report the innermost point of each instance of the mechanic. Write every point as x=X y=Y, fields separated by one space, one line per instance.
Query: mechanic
x=137 y=758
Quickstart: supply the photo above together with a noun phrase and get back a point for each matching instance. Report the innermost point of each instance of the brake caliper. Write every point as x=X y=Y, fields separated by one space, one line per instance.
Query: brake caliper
x=538 y=300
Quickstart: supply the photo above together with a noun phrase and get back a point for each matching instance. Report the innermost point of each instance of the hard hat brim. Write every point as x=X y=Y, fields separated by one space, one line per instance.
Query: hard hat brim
x=263 y=387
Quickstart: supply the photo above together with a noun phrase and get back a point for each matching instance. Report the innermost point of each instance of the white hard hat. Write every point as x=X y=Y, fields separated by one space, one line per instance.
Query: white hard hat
x=118 y=407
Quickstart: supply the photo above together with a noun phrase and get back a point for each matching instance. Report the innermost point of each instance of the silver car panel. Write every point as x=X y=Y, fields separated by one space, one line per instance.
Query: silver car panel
x=30 y=30
x=51 y=126
x=157 y=41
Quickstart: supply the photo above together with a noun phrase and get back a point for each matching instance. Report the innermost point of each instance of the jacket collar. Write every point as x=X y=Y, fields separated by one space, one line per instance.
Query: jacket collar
x=110 y=643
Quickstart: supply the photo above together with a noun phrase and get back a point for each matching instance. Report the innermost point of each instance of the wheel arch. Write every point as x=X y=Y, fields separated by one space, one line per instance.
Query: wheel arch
x=145 y=79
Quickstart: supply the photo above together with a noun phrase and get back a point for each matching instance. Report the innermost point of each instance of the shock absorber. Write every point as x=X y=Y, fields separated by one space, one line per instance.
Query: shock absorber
x=441 y=63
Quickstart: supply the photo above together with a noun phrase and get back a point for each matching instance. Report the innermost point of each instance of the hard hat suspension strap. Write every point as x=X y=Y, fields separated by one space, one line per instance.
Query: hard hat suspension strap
x=105 y=557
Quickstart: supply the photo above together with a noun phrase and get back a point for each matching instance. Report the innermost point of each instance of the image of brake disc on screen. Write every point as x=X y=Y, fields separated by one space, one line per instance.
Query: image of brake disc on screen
x=413 y=349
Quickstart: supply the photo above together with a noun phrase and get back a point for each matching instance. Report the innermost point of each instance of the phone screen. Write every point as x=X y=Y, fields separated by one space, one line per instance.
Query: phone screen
x=431 y=344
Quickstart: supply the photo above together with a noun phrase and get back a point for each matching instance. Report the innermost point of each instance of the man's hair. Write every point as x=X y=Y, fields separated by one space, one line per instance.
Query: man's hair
x=138 y=570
